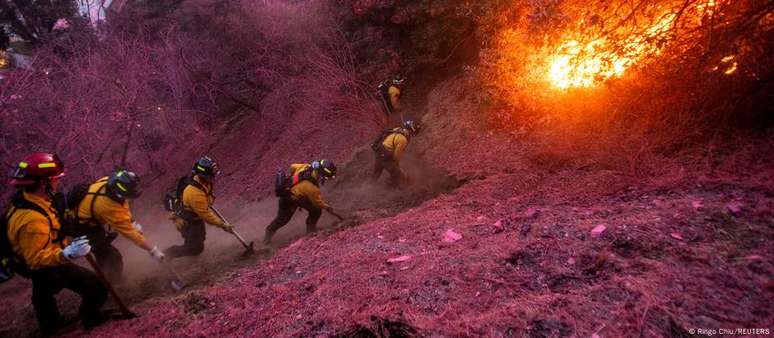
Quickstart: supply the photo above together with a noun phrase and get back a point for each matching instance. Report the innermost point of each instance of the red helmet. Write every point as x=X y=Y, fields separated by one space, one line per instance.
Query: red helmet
x=36 y=167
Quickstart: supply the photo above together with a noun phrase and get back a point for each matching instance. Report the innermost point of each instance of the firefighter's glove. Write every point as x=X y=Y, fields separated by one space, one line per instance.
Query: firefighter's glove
x=228 y=228
x=157 y=254
x=137 y=226
x=78 y=248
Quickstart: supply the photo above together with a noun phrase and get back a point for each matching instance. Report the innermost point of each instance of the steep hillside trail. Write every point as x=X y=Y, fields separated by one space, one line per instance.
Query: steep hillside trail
x=490 y=244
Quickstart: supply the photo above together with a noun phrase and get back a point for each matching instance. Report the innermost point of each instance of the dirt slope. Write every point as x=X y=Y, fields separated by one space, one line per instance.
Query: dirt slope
x=681 y=249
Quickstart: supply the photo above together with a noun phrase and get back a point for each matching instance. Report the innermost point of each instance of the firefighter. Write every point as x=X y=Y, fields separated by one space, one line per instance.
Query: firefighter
x=303 y=191
x=104 y=213
x=34 y=234
x=388 y=151
x=197 y=199
x=390 y=92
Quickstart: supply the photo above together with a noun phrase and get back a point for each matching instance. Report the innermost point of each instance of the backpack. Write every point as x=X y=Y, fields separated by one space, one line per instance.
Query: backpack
x=384 y=88
x=10 y=263
x=280 y=183
x=67 y=206
x=173 y=199
x=379 y=148
x=283 y=182
x=376 y=145
x=75 y=196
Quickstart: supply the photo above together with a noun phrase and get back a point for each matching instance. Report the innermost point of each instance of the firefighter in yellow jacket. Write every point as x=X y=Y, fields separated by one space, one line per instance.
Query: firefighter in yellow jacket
x=104 y=213
x=390 y=92
x=389 y=149
x=303 y=191
x=40 y=254
x=197 y=199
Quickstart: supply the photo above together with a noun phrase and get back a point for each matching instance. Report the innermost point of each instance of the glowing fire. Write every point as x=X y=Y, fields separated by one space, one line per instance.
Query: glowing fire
x=3 y=59
x=729 y=63
x=708 y=7
x=577 y=64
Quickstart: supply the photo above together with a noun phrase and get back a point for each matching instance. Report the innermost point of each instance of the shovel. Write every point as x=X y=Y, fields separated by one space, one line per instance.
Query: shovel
x=125 y=312
x=248 y=247
x=177 y=282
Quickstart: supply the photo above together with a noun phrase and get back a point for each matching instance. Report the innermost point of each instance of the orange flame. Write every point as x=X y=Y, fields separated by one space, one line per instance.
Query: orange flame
x=3 y=59
x=731 y=70
x=575 y=64
x=708 y=8
x=726 y=60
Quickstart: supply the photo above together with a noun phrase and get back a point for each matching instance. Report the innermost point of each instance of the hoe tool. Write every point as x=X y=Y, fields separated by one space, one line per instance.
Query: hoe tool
x=177 y=282
x=125 y=312
x=248 y=247
x=335 y=215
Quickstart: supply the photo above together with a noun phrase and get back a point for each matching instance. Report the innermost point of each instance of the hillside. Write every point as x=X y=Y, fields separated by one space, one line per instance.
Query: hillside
x=639 y=206
x=682 y=248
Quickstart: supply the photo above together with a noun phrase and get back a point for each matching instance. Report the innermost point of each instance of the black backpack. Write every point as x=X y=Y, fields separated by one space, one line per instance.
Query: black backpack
x=10 y=263
x=173 y=199
x=283 y=182
x=384 y=88
x=67 y=204
x=8 y=260
x=376 y=145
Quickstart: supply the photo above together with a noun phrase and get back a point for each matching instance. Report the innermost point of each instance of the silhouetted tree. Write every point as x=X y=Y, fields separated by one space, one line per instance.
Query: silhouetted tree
x=30 y=19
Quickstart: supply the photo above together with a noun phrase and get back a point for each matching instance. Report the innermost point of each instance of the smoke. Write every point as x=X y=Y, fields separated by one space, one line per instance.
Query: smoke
x=144 y=277
x=354 y=195
x=358 y=196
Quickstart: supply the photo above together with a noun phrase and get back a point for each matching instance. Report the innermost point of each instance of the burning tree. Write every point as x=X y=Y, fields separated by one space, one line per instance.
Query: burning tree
x=670 y=69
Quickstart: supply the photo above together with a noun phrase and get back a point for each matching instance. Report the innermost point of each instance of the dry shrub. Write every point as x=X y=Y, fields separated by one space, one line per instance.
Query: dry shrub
x=164 y=82
x=88 y=99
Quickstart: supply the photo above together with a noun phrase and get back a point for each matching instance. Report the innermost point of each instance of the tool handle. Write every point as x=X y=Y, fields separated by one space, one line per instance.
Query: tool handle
x=172 y=271
x=219 y=215
x=222 y=218
x=335 y=214
x=233 y=231
x=239 y=237
x=93 y=262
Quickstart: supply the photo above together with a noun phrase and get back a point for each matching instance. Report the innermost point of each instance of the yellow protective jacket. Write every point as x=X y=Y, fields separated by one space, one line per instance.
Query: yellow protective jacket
x=305 y=188
x=394 y=93
x=199 y=201
x=97 y=209
x=396 y=144
x=33 y=238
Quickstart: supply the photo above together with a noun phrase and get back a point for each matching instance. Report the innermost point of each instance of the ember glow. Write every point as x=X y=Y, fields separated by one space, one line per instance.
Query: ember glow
x=731 y=64
x=727 y=64
x=3 y=59
x=586 y=64
x=709 y=7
